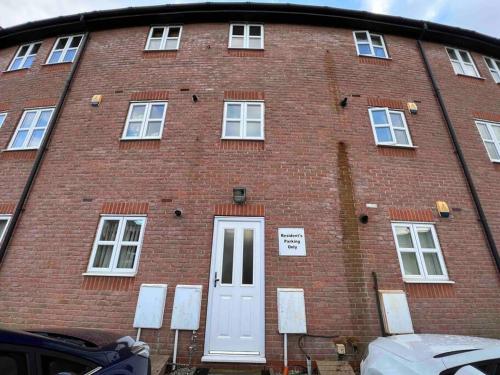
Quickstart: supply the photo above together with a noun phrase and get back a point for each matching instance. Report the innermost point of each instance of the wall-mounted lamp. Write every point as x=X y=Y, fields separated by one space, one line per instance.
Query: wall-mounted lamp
x=96 y=100
x=343 y=102
x=239 y=195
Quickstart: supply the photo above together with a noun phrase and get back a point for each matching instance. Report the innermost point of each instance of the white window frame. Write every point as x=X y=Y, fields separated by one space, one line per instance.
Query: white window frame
x=164 y=38
x=369 y=38
x=246 y=35
x=31 y=129
x=462 y=63
x=388 y=112
x=25 y=57
x=112 y=270
x=419 y=251
x=495 y=69
x=243 y=119
x=5 y=217
x=494 y=140
x=145 y=120
x=3 y=117
x=65 y=49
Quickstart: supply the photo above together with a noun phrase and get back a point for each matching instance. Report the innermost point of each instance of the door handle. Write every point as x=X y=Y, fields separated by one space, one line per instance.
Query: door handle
x=215 y=280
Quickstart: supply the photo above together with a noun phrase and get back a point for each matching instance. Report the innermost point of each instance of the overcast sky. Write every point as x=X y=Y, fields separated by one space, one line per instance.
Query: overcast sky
x=478 y=15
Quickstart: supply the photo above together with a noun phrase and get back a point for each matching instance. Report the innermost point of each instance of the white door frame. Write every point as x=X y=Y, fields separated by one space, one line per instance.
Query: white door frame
x=207 y=357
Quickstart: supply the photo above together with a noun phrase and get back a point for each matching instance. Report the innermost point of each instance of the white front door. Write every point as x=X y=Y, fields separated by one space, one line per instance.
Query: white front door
x=235 y=319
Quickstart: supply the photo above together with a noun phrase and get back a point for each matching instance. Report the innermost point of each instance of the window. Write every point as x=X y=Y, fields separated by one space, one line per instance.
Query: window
x=243 y=120
x=117 y=245
x=494 y=67
x=4 y=222
x=164 y=38
x=62 y=366
x=13 y=363
x=389 y=127
x=3 y=116
x=462 y=62
x=368 y=44
x=31 y=129
x=145 y=120
x=419 y=253
x=490 y=133
x=25 y=56
x=65 y=49
x=246 y=36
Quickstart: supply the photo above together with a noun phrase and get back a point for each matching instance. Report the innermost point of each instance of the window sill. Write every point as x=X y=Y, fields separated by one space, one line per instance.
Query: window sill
x=19 y=149
x=409 y=281
x=397 y=146
x=59 y=63
x=15 y=70
x=242 y=139
x=244 y=49
x=468 y=76
x=139 y=139
x=376 y=57
x=109 y=274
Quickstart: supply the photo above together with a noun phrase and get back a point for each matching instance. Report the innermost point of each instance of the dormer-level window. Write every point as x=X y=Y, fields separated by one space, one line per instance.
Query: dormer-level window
x=164 y=38
x=462 y=62
x=248 y=36
x=369 y=44
x=25 y=56
x=490 y=134
x=65 y=49
x=494 y=67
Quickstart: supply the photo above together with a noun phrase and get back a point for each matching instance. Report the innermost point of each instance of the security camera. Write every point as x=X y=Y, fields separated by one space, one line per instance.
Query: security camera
x=178 y=212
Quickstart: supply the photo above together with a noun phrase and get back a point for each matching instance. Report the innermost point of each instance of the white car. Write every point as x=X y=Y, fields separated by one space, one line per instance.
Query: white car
x=428 y=354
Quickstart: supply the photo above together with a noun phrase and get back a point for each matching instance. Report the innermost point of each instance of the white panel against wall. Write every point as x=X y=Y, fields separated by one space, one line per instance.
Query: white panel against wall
x=291 y=311
x=187 y=306
x=150 y=306
x=396 y=313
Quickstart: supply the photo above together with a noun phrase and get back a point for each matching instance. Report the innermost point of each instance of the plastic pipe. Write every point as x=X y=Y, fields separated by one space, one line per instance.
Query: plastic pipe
x=285 y=354
x=176 y=340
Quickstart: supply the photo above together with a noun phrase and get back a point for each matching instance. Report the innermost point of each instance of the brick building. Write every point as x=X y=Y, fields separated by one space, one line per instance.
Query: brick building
x=303 y=107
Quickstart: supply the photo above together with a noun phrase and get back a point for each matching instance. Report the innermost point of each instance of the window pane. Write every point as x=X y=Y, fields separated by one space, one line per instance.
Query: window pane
x=401 y=137
x=227 y=257
x=361 y=37
x=233 y=111
x=157 y=111
x=485 y=133
x=138 y=112
x=44 y=118
x=254 y=43
x=376 y=40
x=154 y=44
x=432 y=264
x=70 y=55
x=103 y=256
x=127 y=257
x=232 y=129
x=254 y=112
x=3 y=225
x=2 y=119
x=28 y=62
x=17 y=63
x=496 y=131
x=410 y=263
x=157 y=32
x=492 y=151
x=237 y=42
x=457 y=67
x=254 y=129
x=36 y=138
x=54 y=58
x=174 y=32
x=19 y=140
x=380 y=117
x=35 y=48
x=364 y=49
x=403 y=235
x=379 y=52
x=238 y=30
x=465 y=56
x=109 y=229
x=384 y=134
x=23 y=51
x=134 y=129
x=153 y=129
x=425 y=238
x=489 y=62
x=61 y=43
x=28 y=120
x=452 y=54
x=75 y=42
x=255 y=30
x=171 y=44
x=58 y=366
x=469 y=70
x=496 y=76
x=397 y=120
x=132 y=230
x=247 y=257
x=13 y=363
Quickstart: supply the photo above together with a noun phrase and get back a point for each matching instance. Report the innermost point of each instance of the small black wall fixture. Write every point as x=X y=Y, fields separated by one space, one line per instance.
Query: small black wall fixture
x=343 y=102
x=43 y=147
x=363 y=218
x=195 y=98
x=178 y=212
x=239 y=195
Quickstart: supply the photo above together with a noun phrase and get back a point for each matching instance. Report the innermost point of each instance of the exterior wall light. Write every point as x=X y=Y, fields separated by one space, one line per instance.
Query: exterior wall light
x=239 y=195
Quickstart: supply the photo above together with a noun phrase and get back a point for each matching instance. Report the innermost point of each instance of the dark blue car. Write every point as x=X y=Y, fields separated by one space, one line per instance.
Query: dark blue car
x=71 y=352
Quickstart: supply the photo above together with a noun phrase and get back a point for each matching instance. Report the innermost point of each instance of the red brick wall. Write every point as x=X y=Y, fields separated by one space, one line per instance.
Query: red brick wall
x=317 y=168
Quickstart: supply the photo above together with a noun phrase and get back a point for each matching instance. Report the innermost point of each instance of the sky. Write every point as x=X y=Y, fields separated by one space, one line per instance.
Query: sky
x=478 y=15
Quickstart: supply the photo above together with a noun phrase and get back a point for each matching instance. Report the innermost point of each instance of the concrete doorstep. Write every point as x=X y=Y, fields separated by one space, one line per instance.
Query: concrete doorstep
x=334 y=368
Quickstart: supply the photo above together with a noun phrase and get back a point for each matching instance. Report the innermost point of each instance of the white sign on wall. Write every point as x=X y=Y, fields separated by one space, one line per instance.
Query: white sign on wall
x=292 y=241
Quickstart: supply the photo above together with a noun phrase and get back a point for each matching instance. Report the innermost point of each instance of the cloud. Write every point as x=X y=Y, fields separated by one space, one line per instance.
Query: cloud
x=378 y=6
